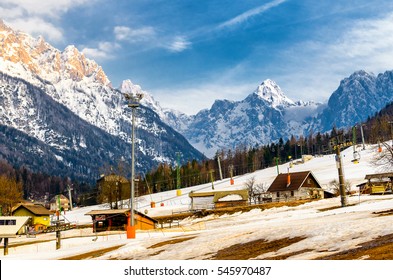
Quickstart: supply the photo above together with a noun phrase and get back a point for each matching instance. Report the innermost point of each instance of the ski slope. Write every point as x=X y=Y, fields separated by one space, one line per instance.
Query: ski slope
x=322 y=232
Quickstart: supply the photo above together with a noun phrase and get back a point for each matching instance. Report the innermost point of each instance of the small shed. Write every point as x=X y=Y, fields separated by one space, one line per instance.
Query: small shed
x=116 y=219
x=295 y=185
x=40 y=216
x=380 y=183
x=218 y=199
x=10 y=227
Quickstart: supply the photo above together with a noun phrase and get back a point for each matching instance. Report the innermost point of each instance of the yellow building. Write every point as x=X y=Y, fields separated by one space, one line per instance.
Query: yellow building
x=40 y=216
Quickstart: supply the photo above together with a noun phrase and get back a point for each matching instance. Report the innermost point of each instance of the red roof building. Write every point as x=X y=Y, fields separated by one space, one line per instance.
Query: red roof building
x=295 y=185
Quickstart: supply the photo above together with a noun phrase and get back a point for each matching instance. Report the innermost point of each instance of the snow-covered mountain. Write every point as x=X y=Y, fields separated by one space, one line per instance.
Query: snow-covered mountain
x=69 y=79
x=265 y=115
x=358 y=97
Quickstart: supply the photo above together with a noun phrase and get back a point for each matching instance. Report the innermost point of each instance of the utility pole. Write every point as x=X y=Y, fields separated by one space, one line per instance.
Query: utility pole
x=391 y=131
x=133 y=104
x=70 y=196
x=219 y=166
x=178 y=183
x=211 y=178
x=58 y=235
x=337 y=145
x=361 y=131
x=231 y=174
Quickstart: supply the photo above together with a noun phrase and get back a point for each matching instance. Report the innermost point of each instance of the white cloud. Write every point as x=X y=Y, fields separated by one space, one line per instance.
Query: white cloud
x=47 y=8
x=250 y=13
x=37 y=26
x=37 y=17
x=179 y=44
x=192 y=99
x=124 y=33
x=314 y=69
x=105 y=50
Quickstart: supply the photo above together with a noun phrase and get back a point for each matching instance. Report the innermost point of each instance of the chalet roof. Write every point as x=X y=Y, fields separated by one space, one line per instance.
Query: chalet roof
x=117 y=212
x=35 y=209
x=217 y=195
x=379 y=176
x=63 y=198
x=297 y=181
x=114 y=178
x=10 y=225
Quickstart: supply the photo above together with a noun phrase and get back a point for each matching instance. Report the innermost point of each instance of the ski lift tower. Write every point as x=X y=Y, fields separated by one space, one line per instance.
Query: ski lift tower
x=337 y=143
x=133 y=103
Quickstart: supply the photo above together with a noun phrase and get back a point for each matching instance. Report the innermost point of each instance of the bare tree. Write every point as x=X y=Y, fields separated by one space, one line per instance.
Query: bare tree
x=335 y=187
x=10 y=194
x=384 y=159
x=250 y=187
x=255 y=191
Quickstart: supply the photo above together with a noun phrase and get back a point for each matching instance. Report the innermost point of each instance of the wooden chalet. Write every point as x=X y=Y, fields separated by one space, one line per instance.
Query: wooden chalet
x=116 y=219
x=295 y=185
x=64 y=203
x=40 y=216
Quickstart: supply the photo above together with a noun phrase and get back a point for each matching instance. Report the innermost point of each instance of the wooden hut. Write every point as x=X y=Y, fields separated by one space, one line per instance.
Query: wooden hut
x=116 y=219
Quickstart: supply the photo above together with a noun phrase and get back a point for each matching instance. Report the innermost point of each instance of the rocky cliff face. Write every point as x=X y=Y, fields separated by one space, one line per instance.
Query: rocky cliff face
x=38 y=81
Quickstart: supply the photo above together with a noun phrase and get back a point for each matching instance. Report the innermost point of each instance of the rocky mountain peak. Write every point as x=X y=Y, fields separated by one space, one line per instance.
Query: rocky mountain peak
x=41 y=59
x=268 y=90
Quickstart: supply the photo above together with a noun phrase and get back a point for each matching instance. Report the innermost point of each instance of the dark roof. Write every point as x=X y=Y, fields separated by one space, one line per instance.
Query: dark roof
x=118 y=212
x=379 y=176
x=62 y=199
x=114 y=178
x=35 y=209
x=297 y=181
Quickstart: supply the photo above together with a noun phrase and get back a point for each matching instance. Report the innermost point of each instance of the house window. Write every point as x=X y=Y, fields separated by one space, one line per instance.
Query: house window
x=7 y=222
x=309 y=181
x=278 y=194
x=292 y=193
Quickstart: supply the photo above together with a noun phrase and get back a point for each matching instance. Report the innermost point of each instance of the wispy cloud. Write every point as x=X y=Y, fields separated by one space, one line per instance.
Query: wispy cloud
x=132 y=35
x=250 y=13
x=314 y=68
x=105 y=50
x=179 y=44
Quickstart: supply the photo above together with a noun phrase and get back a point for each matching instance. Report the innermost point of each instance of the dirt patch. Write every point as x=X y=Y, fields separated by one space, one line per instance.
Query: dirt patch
x=380 y=248
x=170 y=242
x=93 y=254
x=384 y=213
x=253 y=249
x=334 y=207
x=286 y=256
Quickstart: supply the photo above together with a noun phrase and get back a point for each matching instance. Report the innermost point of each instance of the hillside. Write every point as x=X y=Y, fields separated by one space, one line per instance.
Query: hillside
x=318 y=229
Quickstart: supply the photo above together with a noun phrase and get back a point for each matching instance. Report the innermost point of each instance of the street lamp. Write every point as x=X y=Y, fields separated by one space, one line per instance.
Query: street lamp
x=133 y=103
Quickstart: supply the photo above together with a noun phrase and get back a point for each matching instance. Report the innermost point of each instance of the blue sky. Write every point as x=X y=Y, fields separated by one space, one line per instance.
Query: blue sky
x=188 y=53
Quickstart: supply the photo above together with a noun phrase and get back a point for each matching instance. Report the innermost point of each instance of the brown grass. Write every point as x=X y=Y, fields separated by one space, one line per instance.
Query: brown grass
x=380 y=248
x=253 y=249
x=384 y=213
x=230 y=210
x=170 y=242
x=93 y=254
